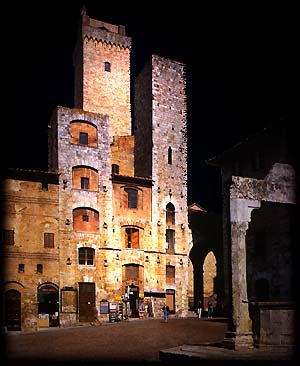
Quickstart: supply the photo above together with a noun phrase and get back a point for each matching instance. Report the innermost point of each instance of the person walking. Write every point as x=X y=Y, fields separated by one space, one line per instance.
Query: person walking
x=165 y=310
x=210 y=309
x=199 y=308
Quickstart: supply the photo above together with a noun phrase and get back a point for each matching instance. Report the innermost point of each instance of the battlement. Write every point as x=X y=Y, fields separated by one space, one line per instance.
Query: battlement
x=102 y=31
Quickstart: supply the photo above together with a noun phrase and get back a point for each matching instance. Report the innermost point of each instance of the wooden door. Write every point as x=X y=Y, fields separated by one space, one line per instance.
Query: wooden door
x=12 y=310
x=86 y=301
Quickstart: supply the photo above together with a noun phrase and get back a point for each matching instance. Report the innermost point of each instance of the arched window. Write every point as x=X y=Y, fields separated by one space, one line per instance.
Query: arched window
x=86 y=256
x=107 y=66
x=84 y=177
x=170 y=155
x=85 y=219
x=170 y=214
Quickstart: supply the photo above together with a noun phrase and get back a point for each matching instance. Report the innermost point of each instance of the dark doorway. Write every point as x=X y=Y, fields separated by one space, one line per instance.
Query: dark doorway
x=48 y=303
x=12 y=311
x=86 y=301
x=134 y=301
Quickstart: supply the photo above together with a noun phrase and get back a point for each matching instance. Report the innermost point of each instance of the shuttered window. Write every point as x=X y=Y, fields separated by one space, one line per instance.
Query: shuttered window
x=48 y=240
x=132 y=238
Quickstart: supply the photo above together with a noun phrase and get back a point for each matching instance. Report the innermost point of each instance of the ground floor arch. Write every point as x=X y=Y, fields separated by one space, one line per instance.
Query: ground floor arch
x=48 y=303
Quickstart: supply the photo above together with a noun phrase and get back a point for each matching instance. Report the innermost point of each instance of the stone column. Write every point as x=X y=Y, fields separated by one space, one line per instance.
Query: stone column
x=240 y=215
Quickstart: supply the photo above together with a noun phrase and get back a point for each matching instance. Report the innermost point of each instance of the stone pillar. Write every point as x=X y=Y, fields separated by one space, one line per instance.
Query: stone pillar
x=240 y=215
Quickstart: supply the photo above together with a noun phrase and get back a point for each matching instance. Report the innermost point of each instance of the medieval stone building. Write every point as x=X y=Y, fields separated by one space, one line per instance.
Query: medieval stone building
x=259 y=237
x=106 y=227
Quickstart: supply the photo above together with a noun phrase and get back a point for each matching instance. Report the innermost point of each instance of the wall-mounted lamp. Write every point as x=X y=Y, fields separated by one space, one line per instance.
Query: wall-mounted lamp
x=181 y=262
x=181 y=195
x=182 y=226
x=158 y=189
x=117 y=256
x=158 y=223
x=147 y=258
x=65 y=183
x=157 y=260
x=68 y=262
x=105 y=225
x=170 y=192
x=67 y=221
x=105 y=263
x=105 y=189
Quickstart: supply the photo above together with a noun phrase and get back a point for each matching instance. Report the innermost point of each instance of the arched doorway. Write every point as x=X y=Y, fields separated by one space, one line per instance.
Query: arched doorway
x=48 y=302
x=209 y=278
x=12 y=310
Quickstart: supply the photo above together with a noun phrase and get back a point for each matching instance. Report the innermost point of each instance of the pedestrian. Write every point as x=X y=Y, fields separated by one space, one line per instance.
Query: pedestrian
x=165 y=310
x=199 y=308
x=210 y=309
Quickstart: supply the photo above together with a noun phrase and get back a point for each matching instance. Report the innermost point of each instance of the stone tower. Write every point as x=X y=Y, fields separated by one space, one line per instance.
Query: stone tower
x=102 y=72
x=123 y=215
x=161 y=152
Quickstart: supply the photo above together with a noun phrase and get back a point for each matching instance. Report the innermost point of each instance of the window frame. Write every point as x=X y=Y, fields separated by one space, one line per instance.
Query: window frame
x=107 y=66
x=132 y=197
x=83 y=136
x=84 y=255
x=85 y=183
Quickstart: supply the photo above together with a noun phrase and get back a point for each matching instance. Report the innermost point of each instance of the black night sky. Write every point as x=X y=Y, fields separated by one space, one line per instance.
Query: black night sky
x=239 y=73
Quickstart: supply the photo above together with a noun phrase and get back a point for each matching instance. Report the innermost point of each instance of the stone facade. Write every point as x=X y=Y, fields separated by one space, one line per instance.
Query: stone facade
x=119 y=207
x=259 y=185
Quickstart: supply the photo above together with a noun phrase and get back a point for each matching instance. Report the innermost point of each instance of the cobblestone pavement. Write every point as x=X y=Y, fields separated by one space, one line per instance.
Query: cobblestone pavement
x=127 y=342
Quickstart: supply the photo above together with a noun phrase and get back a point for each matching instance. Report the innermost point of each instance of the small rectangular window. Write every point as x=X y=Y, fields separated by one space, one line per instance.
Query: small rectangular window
x=39 y=268
x=21 y=268
x=48 y=240
x=83 y=138
x=7 y=237
x=107 y=66
x=170 y=155
x=85 y=183
x=85 y=218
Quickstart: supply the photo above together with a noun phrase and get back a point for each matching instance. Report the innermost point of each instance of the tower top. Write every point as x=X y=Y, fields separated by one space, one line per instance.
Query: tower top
x=103 y=31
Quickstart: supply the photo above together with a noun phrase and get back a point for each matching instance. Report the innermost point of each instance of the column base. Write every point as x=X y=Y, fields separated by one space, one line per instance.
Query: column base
x=238 y=340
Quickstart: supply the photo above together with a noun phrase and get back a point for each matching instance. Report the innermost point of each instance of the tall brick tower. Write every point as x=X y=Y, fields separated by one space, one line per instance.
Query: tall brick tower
x=102 y=72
